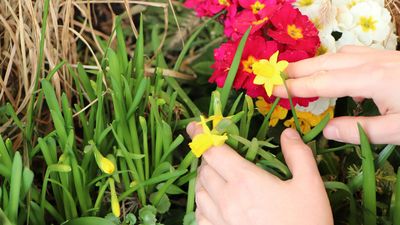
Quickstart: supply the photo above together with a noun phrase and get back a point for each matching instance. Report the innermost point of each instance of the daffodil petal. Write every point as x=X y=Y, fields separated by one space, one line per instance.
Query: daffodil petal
x=268 y=88
x=282 y=65
x=274 y=58
x=200 y=144
x=219 y=140
x=259 y=80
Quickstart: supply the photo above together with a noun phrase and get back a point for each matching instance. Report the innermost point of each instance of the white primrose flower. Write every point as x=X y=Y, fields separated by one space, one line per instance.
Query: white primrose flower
x=310 y=8
x=321 y=13
x=371 y=22
x=348 y=38
x=318 y=107
x=328 y=44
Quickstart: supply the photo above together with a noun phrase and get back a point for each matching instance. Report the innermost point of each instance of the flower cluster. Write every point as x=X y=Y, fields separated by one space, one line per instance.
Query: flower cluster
x=286 y=31
x=277 y=26
x=355 y=22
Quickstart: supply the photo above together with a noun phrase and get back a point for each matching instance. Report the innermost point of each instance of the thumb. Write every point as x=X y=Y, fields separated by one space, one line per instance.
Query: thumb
x=298 y=156
x=193 y=129
x=380 y=129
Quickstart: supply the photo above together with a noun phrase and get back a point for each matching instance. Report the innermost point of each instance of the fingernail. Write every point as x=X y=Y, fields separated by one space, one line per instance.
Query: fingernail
x=292 y=134
x=190 y=129
x=331 y=132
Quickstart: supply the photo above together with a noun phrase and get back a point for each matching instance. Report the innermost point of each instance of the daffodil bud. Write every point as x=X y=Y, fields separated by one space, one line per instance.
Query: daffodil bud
x=114 y=199
x=106 y=165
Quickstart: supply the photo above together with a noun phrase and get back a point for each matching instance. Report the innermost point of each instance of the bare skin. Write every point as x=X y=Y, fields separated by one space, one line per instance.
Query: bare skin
x=230 y=190
x=358 y=72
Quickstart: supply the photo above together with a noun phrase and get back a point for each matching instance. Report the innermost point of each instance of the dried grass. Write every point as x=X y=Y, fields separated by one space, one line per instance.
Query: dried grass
x=20 y=24
x=394 y=8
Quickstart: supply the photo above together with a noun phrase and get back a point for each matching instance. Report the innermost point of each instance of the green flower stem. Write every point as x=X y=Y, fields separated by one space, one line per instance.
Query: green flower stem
x=262 y=132
x=296 y=119
x=340 y=148
x=192 y=186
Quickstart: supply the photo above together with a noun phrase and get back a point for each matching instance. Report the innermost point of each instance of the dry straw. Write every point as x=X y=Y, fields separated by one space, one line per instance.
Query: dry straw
x=20 y=24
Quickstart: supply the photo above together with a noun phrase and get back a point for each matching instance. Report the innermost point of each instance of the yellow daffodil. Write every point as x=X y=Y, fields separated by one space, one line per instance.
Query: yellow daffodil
x=264 y=107
x=115 y=208
x=202 y=142
x=308 y=120
x=268 y=72
x=106 y=165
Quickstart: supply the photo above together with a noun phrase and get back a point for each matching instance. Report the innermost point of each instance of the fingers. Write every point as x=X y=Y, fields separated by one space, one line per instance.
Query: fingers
x=208 y=208
x=201 y=220
x=332 y=84
x=347 y=57
x=357 y=49
x=211 y=181
x=223 y=160
x=226 y=162
x=193 y=129
x=379 y=129
x=325 y=62
x=298 y=156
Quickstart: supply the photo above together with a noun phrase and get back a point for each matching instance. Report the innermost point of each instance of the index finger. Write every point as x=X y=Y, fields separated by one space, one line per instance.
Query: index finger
x=332 y=61
x=353 y=82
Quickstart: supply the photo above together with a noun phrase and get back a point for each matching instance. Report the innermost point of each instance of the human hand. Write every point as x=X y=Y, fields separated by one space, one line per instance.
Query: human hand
x=232 y=191
x=355 y=72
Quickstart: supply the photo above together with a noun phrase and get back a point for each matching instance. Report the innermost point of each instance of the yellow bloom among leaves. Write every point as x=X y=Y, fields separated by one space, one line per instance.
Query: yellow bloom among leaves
x=308 y=120
x=279 y=113
x=106 y=165
x=115 y=207
x=268 y=72
x=202 y=142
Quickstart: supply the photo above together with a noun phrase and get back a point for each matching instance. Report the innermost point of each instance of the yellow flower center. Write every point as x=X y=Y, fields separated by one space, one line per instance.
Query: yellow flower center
x=257 y=6
x=322 y=50
x=248 y=64
x=352 y=3
x=295 y=32
x=224 y=2
x=367 y=23
x=258 y=22
x=268 y=72
x=303 y=3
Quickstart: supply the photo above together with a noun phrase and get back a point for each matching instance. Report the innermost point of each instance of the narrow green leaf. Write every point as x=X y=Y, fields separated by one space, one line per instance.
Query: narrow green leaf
x=369 y=182
x=384 y=155
x=27 y=180
x=226 y=90
x=262 y=132
x=84 y=79
x=121 y=47
x=317 y=129
x=15 y=188
x=139 y=52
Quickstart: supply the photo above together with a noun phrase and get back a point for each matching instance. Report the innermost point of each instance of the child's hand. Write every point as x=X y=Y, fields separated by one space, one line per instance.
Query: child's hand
x=232 y=191
x=359 y=72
